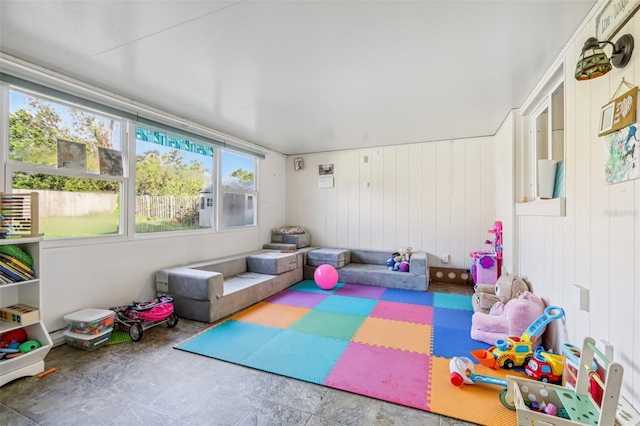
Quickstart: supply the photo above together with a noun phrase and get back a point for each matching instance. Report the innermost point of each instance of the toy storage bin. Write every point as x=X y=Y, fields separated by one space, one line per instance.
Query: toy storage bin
x=524 y=391
x=87 y=342
x=90 y=321
x=484 y=268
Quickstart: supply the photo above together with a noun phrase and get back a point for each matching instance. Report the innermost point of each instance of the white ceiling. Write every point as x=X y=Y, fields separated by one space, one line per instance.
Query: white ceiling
x=305 y=76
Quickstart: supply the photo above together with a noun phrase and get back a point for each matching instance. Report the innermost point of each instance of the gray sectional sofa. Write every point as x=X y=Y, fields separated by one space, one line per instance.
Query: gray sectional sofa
x=211 y=290
x=369 y=267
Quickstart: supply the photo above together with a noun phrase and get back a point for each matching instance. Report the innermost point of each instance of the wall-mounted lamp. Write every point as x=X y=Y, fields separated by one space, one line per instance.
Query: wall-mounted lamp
x=594 y=63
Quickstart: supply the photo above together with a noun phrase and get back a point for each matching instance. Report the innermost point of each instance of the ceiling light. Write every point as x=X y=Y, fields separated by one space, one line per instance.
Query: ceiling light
x=594 y=63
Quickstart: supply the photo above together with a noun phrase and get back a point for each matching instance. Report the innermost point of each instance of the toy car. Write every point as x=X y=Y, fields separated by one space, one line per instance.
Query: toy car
x=545 y=366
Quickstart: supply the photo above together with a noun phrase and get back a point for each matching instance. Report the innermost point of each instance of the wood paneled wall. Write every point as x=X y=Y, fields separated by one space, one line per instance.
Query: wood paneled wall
x=597 y=243
x=438 y=197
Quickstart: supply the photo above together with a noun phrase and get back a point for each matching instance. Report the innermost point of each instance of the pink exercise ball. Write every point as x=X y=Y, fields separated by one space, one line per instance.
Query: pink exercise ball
x=326 y=277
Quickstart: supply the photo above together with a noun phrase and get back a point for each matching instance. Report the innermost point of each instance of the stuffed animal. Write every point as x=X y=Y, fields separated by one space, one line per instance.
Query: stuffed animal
x=392 y=260
x=506 y=288
x=504 y=320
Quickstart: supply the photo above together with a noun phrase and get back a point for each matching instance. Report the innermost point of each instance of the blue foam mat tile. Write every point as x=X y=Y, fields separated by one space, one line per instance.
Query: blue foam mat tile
x=231 y=341
x=453 y=301
x=347 y=305
x=408 y=296
x=452 y=318
x=450 y=342
x=311 y=286
x=298 y=355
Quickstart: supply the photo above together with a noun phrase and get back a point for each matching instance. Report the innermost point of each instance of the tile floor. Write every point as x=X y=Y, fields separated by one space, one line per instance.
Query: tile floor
x=150 y=383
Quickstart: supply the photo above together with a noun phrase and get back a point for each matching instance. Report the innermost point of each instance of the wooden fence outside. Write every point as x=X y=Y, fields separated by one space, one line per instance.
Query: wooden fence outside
x=165 y=207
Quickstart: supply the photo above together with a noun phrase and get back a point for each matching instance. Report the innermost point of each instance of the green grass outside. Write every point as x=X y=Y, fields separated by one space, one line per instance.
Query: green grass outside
x=101 y=224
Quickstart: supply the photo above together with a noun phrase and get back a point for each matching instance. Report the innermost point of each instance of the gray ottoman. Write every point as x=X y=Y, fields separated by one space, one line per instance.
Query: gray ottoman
x=272 y=262
x=300 y=240
x=334 y=257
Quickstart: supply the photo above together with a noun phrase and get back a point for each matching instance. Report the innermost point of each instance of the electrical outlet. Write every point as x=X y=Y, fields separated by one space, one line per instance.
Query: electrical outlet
x=445 y=258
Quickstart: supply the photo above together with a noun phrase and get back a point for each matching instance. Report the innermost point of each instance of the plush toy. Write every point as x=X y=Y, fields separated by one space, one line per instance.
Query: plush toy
x=504 y=320
x=506 y=288
x=392 y=260
x=406 y=253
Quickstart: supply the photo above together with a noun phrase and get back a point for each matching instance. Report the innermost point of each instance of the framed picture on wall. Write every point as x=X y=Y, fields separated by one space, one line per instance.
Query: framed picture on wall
x=298 y=163
x=606 y=118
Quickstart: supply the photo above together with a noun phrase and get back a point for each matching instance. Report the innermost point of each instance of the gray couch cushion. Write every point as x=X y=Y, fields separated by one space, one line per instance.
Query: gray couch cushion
x=300 y=240
x=272 y=262
x=334 y=257
x=370 y=257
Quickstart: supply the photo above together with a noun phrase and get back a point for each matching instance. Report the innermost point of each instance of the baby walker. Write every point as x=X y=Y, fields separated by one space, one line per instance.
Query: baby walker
x=139 y=316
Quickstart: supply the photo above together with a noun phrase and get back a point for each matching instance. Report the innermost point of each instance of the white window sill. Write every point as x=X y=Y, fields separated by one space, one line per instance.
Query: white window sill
x=552 y=207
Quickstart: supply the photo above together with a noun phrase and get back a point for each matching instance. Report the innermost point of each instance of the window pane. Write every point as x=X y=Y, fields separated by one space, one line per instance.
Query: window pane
x=73 y=207
x=237 y=171
x=238 y=210
x=173 y=183
x=36 y=124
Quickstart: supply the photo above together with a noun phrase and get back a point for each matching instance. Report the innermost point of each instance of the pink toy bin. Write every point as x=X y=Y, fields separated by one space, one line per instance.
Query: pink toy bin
x=484 y=269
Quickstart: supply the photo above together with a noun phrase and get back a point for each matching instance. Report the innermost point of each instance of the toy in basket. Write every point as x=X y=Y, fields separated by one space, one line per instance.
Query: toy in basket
x=139 y=316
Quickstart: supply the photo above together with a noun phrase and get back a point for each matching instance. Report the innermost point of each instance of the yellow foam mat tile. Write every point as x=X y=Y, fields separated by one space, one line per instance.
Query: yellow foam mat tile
x=478 y=403
x=395 y=335
x=271 y=315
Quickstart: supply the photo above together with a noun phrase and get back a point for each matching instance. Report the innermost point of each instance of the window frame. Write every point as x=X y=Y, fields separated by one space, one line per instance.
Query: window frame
x=214 y=178
x=12 y=166
x=528 y=203
x=223 y=189
x=128 y=180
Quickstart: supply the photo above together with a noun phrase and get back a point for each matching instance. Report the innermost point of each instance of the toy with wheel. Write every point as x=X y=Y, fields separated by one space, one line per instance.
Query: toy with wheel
x=517 y=351
x=463 y=371
x=139 y=316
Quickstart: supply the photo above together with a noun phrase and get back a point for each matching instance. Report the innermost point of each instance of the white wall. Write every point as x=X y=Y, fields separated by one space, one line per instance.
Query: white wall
x=597 y=243
x=104 y=275
x=438 y=197
x=505 y=188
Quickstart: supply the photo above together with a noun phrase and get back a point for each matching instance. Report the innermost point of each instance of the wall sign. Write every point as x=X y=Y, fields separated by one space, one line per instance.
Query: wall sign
x=619 y=113
x=613 y=16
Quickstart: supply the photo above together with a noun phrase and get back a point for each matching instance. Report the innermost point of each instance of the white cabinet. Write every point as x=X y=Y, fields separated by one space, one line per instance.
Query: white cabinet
x=27 y=293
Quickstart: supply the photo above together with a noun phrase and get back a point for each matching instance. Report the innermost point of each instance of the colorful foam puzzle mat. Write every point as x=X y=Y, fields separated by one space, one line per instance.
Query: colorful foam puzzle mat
x=390 y=344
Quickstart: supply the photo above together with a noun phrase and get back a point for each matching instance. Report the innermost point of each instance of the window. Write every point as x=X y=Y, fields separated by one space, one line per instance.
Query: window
x=238 y=182
x=78 y=155
x=174 y=183
x=73 y=158
x=540 y=160
x=548 y=136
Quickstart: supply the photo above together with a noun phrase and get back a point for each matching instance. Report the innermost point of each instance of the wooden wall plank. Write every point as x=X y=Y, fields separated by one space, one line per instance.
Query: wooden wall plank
x=364 y=229
x=457 y=203
x=389 y=199
x=377 y=198
x=443 y=199
x=403 y=180
x=415 y=187
x=429 y=182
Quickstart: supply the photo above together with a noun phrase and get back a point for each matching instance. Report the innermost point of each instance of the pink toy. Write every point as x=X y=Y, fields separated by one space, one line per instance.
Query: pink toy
x=503 y=321
x=326 y=277
x=487 y=265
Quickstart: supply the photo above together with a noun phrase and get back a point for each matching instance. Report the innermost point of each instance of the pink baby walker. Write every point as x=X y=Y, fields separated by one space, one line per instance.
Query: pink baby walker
x=139 y=316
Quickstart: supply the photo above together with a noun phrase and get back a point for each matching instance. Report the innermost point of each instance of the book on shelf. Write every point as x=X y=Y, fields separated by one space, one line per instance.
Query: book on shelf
x=18 y=264
x=9 y=273
x=16 y=270
x=20 y=314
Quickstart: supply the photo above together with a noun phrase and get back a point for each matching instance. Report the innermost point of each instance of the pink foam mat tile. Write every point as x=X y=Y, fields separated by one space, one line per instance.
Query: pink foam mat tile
x=366 y=291
x=383 y=373
x=297 y=298
x=397 y=311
